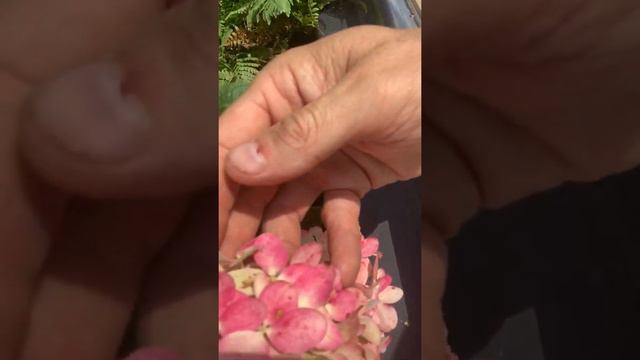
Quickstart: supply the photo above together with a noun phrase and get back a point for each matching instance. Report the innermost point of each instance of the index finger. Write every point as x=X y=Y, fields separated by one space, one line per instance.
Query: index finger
x=234 y=128
x=273 y=95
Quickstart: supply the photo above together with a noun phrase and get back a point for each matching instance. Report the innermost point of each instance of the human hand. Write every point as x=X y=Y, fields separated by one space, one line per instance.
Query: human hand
x=107 y=123
x=522 y=96
x=337 y=118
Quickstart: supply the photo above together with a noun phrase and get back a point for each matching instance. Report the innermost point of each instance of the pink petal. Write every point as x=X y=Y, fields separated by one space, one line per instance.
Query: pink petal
x=271 y=254
x=298 y=331
x=386 y=341
x=226 y=291
x=317 y=235
x=245 y=314
x=383 y=282
x=225 y=282
x=293 y=272
x=332 y=339
x=363 y=273
x=244 y=342
x=386 y=317
x=369 y=246
x=322 y=311
x=390 y=295
x=344 y=303
x=224 y=304
x=279 y=297
x=309 y=253
x=314 y=283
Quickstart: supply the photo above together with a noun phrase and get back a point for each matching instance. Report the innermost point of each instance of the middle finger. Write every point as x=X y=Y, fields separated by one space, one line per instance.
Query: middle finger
x=244 y=219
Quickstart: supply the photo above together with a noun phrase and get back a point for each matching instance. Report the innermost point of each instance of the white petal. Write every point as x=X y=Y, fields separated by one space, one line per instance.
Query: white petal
x=244 y=278
x=391 y=295
x=371 y=331
x=244 y=342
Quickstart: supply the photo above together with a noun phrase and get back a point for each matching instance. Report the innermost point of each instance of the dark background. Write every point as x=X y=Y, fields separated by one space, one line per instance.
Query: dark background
x=571 y=255
x=399 y=206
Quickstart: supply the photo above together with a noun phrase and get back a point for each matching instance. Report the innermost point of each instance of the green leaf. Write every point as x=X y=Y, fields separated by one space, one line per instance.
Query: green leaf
x=230 y=92
x=268 y=10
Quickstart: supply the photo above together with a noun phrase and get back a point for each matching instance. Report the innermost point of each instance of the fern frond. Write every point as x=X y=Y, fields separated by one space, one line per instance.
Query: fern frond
x=267 y=10
x=252 y=32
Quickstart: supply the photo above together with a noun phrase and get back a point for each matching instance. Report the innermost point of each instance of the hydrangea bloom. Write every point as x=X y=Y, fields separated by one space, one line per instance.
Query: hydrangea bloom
x=273 y=306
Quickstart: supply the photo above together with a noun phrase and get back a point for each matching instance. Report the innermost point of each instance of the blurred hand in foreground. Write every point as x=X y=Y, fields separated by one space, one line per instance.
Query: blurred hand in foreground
x=107 y=134
x=522 y=96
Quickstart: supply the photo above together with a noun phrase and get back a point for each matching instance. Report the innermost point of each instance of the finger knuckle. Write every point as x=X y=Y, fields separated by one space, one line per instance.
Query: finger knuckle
x=300 y=130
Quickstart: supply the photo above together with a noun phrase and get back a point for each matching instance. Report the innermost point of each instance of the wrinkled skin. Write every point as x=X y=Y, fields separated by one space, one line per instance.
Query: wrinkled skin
x=522 y=96
x=106 y=203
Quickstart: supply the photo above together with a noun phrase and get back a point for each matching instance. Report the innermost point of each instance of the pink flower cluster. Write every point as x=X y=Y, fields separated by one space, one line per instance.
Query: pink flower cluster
x=274 y=306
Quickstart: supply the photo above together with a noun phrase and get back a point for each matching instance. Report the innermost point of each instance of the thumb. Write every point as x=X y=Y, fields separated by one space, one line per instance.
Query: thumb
x=301 y=141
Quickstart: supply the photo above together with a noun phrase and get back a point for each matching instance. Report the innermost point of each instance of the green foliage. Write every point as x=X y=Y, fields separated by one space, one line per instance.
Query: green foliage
x=252 y=32
x=229 y=92
x=266 y=10
x=244 y=67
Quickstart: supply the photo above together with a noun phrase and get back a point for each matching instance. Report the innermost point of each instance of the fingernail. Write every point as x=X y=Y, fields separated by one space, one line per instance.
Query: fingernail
x=153 y=354
x=85 y=111
x=247 y=159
